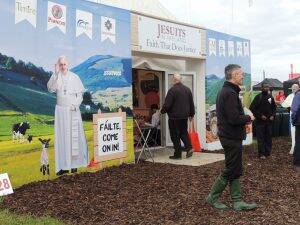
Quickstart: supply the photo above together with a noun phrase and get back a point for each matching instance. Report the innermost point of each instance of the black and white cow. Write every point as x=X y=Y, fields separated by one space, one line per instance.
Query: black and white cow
x=19 y=130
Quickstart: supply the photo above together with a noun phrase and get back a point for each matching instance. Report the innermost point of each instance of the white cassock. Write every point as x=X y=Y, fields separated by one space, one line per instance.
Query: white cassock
x=70 y=143
x=287 y=103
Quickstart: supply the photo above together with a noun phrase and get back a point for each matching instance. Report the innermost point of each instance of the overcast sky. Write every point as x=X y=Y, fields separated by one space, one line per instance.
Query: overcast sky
x=273 y=26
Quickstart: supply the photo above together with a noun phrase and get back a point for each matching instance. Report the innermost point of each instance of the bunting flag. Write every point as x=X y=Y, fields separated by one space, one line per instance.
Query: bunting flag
x=222 y=48
x=230 y=48
x=239 y=48
x=84 y=23
x=212 y=46
x=108 y=29
x=56 y=16
x=26 y=10
x=246 y=48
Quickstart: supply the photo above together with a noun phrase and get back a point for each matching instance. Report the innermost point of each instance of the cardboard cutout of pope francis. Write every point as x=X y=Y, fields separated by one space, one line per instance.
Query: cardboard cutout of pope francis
x=70 y=146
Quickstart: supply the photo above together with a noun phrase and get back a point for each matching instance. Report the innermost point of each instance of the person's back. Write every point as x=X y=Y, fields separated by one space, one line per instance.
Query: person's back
x=180 y=105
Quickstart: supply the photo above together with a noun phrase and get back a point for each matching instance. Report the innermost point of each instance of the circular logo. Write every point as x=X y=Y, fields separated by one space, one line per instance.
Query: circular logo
x=57 y=12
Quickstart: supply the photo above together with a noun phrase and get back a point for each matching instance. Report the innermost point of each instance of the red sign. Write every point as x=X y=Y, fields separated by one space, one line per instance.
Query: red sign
x=294 y=75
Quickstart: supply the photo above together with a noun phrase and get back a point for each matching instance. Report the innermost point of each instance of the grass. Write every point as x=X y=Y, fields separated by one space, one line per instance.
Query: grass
x=40 y=125
x=9 y=218
x=29 y=100
x=22 y=160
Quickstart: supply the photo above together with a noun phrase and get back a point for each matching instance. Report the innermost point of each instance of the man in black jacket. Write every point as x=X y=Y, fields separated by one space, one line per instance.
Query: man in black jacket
x=231 y=130
x=264 y=109
x=179 y=106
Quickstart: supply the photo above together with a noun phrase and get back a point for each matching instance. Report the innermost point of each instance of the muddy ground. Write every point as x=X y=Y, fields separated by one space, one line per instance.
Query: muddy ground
x=149 y=193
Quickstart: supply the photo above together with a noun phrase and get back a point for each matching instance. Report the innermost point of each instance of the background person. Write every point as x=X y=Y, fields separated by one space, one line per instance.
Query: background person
x=263 y=108
x=179 y=105
x=287 y=103
x=296 y=122
x=155 y=134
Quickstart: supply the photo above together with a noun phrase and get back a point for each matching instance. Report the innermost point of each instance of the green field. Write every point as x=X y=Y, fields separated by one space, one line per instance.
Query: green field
x=22 y=160
x=7 y=218
x=28 y=100
x=40 y=125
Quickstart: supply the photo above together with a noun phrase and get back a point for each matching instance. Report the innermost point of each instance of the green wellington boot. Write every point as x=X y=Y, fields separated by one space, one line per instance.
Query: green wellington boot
x=238 y=203
x=216 y=191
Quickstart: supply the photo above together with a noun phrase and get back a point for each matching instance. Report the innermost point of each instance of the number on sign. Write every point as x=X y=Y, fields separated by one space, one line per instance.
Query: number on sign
x=5 y=184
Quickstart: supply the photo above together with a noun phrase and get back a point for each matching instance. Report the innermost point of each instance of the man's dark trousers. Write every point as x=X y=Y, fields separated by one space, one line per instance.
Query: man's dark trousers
x=297 y=147
x=233 y=158
x=264 y=138
x=178 y=131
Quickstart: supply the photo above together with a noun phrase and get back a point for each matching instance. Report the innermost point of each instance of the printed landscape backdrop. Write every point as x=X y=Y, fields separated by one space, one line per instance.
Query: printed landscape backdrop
x=224 y=49
x=95 y=39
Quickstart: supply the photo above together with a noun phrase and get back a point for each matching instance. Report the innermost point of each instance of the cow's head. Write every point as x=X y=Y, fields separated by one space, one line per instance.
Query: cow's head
x=45 y=142
x=26 y=125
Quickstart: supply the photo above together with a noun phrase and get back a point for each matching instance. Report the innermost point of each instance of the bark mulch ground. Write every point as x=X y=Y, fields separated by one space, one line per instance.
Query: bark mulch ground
x=166 y=194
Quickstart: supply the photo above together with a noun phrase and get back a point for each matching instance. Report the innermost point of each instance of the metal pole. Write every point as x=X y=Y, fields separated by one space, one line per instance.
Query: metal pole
x=231 y=27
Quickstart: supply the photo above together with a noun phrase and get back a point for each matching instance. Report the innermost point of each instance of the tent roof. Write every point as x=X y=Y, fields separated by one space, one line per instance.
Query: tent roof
x=292 y=81
x=288 y=84
x=275 y=84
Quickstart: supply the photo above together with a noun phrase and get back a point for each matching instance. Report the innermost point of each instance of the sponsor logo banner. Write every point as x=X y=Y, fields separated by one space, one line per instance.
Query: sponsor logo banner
x=212 y=45
x=230 y=48
x=26 y=10
x=246 y=48
x=222 y=48
x=56 y=16
x=239 y=48
x=84 y=23
x=108 y=29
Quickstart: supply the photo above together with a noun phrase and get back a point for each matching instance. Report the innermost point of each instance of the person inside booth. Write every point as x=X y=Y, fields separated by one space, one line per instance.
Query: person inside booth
x=155 y=133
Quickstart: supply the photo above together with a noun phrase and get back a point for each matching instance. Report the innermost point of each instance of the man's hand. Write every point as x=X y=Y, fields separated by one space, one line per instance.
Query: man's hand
x=252 y=117
x=263 y=117
x=56 y=68
x=72 y=108
x=271 y=118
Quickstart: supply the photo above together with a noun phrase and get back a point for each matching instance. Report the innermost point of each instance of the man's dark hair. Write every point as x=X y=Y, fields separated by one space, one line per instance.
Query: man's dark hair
x=229 y=70
x=263 y=84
